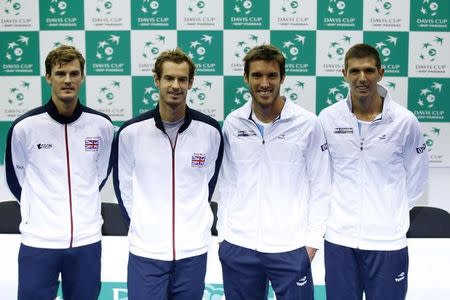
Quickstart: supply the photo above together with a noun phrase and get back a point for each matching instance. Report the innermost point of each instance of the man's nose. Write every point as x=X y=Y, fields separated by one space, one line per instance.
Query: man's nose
x=264 y=81
x=362 y=76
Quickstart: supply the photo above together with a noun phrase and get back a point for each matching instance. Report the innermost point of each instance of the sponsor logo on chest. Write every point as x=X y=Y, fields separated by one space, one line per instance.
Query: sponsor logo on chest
x=343 y=130
x=243 y=133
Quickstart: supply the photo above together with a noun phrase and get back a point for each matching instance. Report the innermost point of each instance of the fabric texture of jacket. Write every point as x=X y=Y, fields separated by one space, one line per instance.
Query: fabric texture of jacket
x=164 y=189
x=376 y=178
x=55 y=167
x=274 y=190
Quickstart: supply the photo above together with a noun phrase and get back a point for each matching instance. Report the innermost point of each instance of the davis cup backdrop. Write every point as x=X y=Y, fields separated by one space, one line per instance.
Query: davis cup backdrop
x=120 y=40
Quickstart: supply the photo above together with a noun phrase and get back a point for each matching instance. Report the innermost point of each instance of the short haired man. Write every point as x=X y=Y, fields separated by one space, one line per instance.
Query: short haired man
x=57 y=160
x=274 y=188
x=166 y=166
x=380 y=167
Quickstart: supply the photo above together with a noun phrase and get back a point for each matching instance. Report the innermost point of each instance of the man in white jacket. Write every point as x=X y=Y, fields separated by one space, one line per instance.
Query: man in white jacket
x=274 y=188
x=379 y=170
x=57 y=159
x=166 y=165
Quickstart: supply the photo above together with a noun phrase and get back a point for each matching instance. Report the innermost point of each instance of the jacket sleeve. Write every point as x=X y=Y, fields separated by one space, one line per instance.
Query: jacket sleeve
x=318 y=172
x=123 y=168
x=214 y=172
x=227 y=184
x=415 y=162
x=104 y=161
x=15 y=161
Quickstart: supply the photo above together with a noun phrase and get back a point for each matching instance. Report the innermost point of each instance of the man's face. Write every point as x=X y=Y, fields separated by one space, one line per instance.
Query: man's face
x=264 y=82
x=174 y=84
x=65 y=81
x=362 y=76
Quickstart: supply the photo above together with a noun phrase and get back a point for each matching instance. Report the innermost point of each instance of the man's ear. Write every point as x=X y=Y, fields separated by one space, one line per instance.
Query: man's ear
x=47 y=78
x=344 y=74
x=246 y=78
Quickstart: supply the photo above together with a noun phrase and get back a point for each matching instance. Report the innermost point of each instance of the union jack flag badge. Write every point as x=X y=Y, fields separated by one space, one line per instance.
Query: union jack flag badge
x=91 y=144
x=198 y=160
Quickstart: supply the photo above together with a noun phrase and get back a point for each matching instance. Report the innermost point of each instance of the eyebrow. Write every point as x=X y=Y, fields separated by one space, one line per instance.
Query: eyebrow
x=362 y=68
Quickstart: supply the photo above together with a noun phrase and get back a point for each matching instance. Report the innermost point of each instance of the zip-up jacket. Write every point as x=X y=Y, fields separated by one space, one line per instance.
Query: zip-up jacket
x=55 y=166
x=163 y=189
x=274 y=190
x=376 y=178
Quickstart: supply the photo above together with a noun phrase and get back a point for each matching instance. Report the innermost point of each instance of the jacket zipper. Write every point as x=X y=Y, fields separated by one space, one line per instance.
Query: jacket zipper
x=69 y=184
x=173 y=192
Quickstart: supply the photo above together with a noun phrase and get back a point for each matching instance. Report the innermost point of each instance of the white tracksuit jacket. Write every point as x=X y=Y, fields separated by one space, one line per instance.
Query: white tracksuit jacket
x=376 y=179
x=54 y=167
x=274 y=191
x=164 y=190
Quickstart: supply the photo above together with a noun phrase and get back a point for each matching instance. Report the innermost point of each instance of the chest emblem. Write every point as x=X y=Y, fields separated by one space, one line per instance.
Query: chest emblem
x=91 y=144
x=343 y=130
x=198 y=160
x=242 y=133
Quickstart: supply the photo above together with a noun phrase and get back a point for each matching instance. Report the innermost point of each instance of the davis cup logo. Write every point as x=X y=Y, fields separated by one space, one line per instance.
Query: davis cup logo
x=151 y=97
x=58 y=7
x=291 y=93
x=427 y=95
x=198 y=49
x=384 y=47
x=243 y=6
x=337 y=93
x=429 y=50
x=290 y=6
x=68 y=40
x=150 y=6
x=241 y=96
x=196 y=6
x=291 y=48
x=104 y=7
x=430 y=136
x=198 y=95
x=15 y=50
x=429 y=8
x=336 y=7
x=16 y=95
x=152 y=48
x=336 y=50
x=12 y=8
x=244 y=46
x=106 y=94
x=106 y=48
x=383 y=7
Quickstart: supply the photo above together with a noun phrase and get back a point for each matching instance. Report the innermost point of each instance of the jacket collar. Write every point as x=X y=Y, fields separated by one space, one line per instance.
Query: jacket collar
x=187 y=119
x=384 y=93
x=51 y=109
x=246 y=110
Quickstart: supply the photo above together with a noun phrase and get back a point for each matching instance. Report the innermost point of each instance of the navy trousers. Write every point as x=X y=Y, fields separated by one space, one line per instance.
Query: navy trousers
x=381 y=275
x=154 y=279
x=39 y=269
x=246 y=273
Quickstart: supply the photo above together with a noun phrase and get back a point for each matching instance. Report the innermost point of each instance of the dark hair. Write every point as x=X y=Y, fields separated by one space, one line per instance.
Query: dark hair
x=266 y=53
x=363 y=51
x=177 y=56
x=62 y=55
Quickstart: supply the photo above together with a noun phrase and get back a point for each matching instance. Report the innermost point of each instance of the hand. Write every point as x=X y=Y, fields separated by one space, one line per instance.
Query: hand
x=311 y=252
